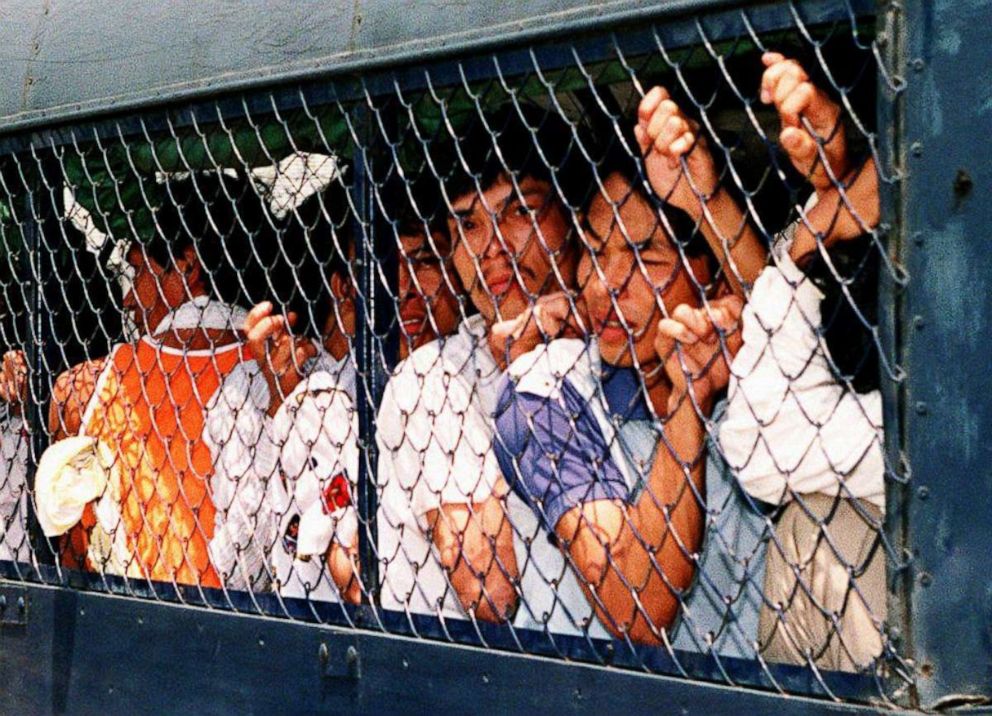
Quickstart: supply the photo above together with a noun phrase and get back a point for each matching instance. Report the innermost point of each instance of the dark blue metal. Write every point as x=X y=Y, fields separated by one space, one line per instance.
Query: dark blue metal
x=370 y=380
x=702 y=668
x=81 y=652
x=946 y=344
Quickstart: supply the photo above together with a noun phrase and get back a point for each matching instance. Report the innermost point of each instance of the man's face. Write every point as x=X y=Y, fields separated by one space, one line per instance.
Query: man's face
x=509 y=244
x=610 y=265
x=424 y=293
x=154 y=290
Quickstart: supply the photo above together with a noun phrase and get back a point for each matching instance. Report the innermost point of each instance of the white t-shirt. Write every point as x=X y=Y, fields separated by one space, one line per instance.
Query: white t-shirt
x=790 y=427
x=238 y=433
x=255 y=503
x=435 y=434
x=317 y=429
x=14 y=543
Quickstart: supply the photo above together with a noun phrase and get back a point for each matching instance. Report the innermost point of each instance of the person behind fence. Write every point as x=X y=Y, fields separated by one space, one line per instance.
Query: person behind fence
x=283 y=427
x=309 y=438
x=804 y=418
x=575 y=421
x=427 y=297
x=452 y=541
x=138 y=413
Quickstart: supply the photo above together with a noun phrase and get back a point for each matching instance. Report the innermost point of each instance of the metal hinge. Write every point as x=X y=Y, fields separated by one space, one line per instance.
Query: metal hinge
x=13 y=606
x=340 y=663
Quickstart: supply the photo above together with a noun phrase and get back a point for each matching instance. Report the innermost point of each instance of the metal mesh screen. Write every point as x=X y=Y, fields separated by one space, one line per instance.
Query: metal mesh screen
x=570 y=349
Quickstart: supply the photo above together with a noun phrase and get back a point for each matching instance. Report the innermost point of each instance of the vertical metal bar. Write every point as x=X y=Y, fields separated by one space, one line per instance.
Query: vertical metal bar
x=889 y=105
x=369 y=388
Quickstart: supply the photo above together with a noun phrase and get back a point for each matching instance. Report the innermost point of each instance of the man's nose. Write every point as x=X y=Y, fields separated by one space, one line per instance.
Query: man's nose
x=405 y=282
x=497 y=243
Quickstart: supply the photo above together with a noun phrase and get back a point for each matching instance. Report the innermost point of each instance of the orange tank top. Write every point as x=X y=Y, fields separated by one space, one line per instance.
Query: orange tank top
x=149 y=409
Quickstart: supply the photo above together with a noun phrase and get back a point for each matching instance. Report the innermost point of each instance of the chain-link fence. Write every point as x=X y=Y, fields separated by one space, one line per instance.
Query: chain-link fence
x=570 y=349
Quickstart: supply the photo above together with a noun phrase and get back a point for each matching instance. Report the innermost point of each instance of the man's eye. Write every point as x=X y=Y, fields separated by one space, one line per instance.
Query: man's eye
x=425 y=257
x=468 y=225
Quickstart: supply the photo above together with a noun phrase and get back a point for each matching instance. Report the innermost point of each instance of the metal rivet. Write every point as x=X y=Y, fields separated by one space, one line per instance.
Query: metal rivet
x=261 y=642
x=918 y=64
x=918 y=322
x=918 y=238
x=921 y=408
x=916 y=148
x=923 y=492
x=926 y=579
x=963 y=183
x=485 y=678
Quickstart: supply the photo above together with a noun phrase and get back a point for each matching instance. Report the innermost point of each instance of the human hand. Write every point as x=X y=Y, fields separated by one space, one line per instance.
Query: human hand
x=699 y=336
x=548 y=318
x=840 y=214
x=667 y=136
x=787 y=85
x=14 y=379
x=279 y=354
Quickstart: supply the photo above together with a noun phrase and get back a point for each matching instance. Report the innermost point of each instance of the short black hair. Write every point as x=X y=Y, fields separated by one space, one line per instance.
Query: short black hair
x=317 y=241
x=524 y=140
x=226 y=220
x=685 y=234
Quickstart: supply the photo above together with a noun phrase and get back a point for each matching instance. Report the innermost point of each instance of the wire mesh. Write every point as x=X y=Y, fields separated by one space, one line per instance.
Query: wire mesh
x=570 y=349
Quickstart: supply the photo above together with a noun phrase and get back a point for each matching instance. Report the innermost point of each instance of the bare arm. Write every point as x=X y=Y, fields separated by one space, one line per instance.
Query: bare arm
x=71 y=394
x=476 y=547
x=680 y=168
x=343 y=564
x=635 y=558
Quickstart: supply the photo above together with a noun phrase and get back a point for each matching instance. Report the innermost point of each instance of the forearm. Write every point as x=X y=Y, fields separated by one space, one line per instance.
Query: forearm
x=733 y=241
x=652 y=557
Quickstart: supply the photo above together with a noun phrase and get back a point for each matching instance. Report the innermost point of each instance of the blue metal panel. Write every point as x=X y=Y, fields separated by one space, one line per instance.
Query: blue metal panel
x=948 y=121
x=101 y=654
x=70 y=58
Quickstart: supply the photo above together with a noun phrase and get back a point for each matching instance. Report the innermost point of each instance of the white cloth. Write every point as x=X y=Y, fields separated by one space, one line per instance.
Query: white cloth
x=203 y=312
x=316 y=428
x=435 y=431
x=14 y=543
x=71 y=473
x=238 y=433
x=255 y=455
x=790 y=427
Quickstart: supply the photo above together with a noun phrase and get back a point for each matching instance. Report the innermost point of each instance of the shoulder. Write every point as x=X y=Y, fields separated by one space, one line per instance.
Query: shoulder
x=441 y=364
x=544 y=370
x=242 y=383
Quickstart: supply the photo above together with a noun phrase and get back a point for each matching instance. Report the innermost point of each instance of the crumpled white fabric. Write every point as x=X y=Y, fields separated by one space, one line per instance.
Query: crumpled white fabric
x=790 y=427
x=71 y=473
x=317 y=427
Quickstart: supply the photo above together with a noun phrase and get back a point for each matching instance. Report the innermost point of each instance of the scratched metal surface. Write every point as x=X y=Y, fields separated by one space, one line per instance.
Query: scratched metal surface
x=70 y=58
